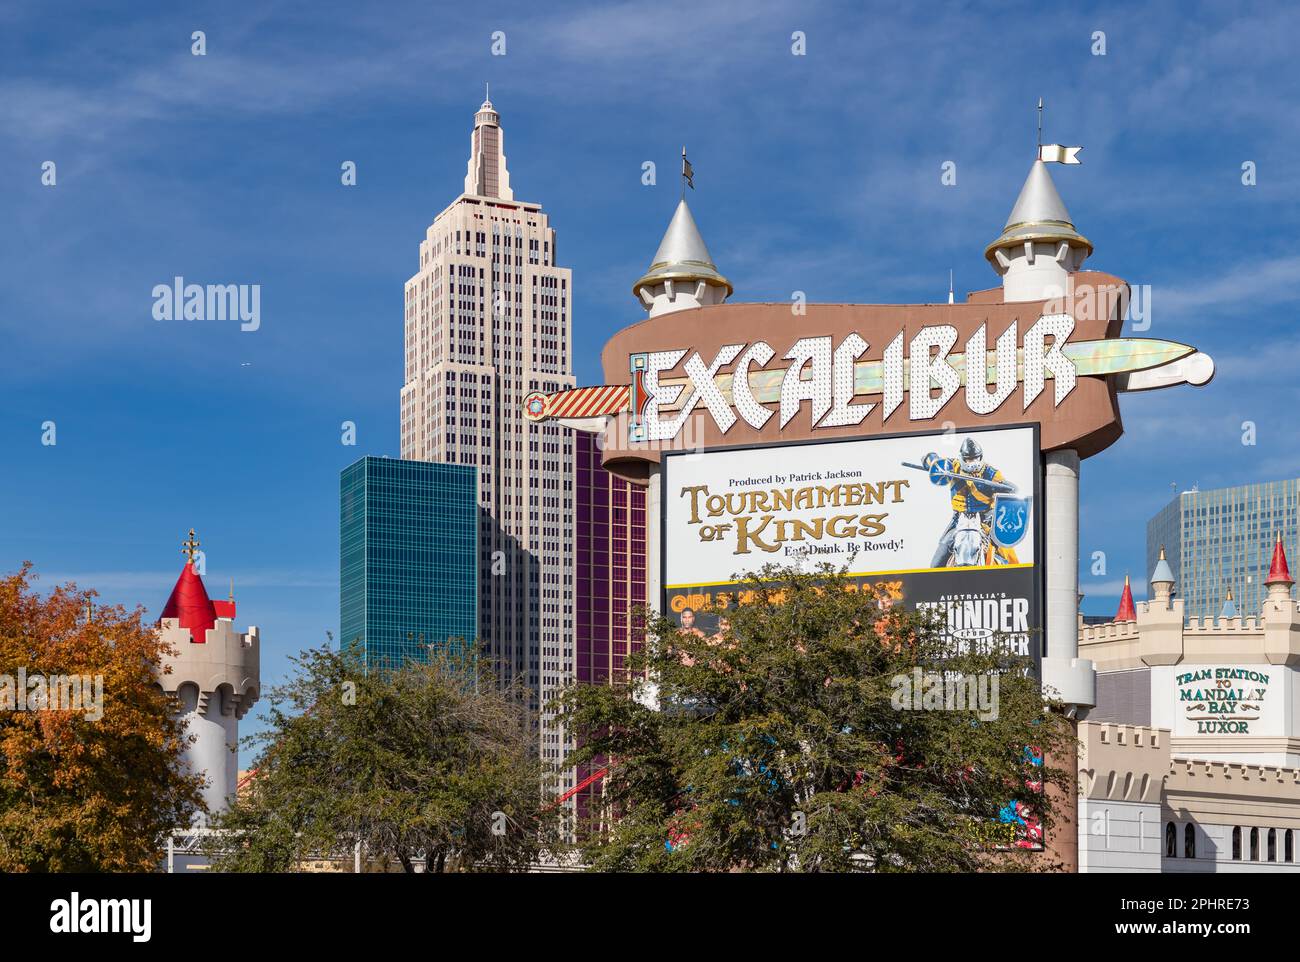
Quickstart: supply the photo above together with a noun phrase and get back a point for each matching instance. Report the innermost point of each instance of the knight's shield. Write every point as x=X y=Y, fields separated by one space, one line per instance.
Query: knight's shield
x=1010 y=519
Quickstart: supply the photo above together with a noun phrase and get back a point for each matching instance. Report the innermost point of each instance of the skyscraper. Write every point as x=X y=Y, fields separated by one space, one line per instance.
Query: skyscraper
x=1221 y=540
x=488 y=320
x=408 y=537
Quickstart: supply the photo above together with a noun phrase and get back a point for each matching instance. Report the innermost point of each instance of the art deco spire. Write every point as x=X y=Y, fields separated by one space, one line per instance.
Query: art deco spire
x=486 y=175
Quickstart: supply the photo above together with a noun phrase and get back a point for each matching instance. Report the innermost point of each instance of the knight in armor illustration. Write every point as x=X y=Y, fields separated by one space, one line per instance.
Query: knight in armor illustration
x=974 y=488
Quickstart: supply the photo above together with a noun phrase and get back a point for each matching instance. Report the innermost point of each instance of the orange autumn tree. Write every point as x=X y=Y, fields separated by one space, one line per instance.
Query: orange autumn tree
x=80 y=793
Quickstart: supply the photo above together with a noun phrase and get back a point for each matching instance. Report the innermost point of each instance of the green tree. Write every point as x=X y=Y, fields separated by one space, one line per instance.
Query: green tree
x=82 y=791
x=780 y=743
x=424 y=761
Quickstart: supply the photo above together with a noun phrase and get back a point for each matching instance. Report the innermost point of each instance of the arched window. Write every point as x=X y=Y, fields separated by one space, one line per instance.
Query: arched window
x=1171 y=841
x=1254 y=845
x=1236 y=844
x=1288 y=850
x=1189 y=841
x=1272 y=845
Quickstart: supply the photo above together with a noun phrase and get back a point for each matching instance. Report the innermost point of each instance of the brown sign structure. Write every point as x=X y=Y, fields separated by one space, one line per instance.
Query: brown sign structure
x=1087 y=419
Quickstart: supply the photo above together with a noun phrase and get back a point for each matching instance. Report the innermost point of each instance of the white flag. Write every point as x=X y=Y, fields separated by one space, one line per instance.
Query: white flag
x=1056 y=154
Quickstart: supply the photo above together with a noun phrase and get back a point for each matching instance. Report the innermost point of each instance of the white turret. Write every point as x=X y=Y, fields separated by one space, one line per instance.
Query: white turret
x=214 y=673
x=682 y=274
x=1039 y=247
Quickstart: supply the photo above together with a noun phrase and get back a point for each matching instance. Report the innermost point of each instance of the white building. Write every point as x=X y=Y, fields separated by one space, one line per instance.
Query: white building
x=488 y=320
x=1190 y=761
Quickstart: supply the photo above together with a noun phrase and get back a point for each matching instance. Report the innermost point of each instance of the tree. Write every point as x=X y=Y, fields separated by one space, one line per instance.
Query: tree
x=423 y=761
x=82 y=791
x=788 y=741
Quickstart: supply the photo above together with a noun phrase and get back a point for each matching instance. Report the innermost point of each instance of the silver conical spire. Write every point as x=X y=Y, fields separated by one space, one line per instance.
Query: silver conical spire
x=1039 y=215
x=682 y=256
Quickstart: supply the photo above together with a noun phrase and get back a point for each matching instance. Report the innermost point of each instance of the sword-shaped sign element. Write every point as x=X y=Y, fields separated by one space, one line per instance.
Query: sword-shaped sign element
x=1112 y=356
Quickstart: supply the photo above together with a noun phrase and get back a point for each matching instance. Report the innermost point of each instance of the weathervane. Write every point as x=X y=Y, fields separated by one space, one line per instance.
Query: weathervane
x=190 y=547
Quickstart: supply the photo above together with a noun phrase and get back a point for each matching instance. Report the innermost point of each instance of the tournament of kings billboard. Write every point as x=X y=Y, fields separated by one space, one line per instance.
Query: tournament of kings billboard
x=945 y=522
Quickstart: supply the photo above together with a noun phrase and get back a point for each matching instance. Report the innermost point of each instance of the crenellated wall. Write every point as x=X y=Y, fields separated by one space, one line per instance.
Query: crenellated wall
x=215 y=682
x=1121 y=781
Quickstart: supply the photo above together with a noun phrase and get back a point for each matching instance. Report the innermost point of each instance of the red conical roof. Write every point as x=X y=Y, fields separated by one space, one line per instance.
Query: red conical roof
x=1126 y=610
x=1278 y=571
x=189 y=604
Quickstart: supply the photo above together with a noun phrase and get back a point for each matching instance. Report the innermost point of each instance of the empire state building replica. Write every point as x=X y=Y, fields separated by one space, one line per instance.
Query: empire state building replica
x=487 y=322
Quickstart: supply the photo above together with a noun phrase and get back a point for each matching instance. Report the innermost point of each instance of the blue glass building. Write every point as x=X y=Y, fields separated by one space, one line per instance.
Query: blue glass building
x=408 y=540
x=1221 y=539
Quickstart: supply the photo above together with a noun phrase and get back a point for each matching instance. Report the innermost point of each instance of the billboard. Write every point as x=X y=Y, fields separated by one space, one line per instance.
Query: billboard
x=949 y=522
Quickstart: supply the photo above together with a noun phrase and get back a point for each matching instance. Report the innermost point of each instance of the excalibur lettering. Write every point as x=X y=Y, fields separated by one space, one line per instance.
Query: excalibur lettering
x=827 y=377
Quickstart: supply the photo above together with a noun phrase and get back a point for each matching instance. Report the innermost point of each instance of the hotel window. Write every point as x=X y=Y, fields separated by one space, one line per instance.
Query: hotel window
x=1288 y=850
x=1236 y=844
x=1189 y=841
x=1272 y=845
x=1171 y=841
x=1254 y=845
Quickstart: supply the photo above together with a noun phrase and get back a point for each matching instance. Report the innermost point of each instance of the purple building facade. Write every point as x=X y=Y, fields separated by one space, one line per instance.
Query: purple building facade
x=609 y=580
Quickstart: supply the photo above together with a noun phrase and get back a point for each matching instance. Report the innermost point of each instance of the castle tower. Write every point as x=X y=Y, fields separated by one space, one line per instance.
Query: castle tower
x=214 y=672
x=1280 y=614
x=1036 y=252
x=1279 y=580
x=1162 y=580
x=1161 y=620
x=682 y=274
x=1039 y=247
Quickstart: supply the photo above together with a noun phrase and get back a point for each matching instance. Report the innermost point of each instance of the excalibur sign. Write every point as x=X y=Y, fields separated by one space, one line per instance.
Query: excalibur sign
x=792 y=409
x=829 y=376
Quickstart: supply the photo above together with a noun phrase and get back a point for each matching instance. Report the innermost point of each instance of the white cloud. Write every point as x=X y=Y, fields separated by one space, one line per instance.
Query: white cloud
x=1259 y=282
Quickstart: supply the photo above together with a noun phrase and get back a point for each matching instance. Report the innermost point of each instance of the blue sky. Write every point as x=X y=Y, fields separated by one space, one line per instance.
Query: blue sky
x=817 y=173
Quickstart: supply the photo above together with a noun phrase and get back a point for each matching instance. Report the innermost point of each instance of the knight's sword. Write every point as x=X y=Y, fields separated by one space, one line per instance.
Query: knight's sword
x=995 y=486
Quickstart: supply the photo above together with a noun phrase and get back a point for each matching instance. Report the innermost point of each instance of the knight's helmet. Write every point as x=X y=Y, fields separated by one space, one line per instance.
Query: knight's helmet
x=972 y=455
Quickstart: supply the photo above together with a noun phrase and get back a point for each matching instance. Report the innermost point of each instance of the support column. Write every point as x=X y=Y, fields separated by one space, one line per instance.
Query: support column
x=1073 y=679
x=654 y=587
x=653 y=540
